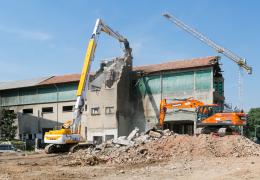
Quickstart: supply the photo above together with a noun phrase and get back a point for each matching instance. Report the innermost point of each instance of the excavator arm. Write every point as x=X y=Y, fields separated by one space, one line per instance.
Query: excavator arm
x=177 y=104
x=100 y=26
x=68 y=137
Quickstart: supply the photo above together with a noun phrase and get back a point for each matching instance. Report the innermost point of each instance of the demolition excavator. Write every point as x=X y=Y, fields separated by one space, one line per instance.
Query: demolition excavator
x=210 y=118
x=68 y=138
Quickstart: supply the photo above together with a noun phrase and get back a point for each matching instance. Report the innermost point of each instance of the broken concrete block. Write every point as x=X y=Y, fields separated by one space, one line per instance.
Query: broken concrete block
x=124 y=142
x=133 y=133
x=166 y=132
x=121 y=137
x=142 y=139
x=155 y=134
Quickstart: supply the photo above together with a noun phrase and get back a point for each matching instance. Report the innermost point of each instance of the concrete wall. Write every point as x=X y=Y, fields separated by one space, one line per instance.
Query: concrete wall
x=37 y=98
x=36 y=122
x=109 y=89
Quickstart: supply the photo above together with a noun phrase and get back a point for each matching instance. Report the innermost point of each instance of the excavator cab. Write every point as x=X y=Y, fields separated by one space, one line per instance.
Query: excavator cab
x=203 y=112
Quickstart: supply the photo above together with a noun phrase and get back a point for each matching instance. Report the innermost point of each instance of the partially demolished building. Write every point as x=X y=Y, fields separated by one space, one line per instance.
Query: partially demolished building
x=108 y=112
x=199 y=78
x=119 y=98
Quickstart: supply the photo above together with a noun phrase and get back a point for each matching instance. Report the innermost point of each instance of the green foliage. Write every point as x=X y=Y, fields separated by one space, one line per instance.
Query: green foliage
x=7 y=127
x=253 y=123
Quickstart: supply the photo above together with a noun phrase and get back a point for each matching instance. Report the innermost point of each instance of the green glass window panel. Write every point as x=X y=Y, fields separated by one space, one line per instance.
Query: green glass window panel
x=140 y=87
x=67 y=92
x=203 y=79
x=149 y=85
x=178 y=82
x=9 y=98
x=47 y=94
x=152 y=84
x=28 y=96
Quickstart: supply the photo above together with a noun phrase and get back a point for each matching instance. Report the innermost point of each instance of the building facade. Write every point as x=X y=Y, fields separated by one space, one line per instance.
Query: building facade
x=198 y=78
x=118 y=98
x=40 y=104
x=108 y=101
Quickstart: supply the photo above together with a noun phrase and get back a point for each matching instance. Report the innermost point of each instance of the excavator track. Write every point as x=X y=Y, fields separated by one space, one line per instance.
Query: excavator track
x=74 y=148
x=51 y=148
x=79 y=146
x=220 y=131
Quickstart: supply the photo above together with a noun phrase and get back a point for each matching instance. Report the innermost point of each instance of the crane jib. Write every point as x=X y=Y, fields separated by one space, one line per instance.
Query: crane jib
x=229 y=54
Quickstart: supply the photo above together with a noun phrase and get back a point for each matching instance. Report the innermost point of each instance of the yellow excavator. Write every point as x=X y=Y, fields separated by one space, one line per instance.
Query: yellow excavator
x=68 y=138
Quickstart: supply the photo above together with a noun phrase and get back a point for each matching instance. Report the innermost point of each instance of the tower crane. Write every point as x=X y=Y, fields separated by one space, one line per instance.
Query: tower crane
x=241 y=62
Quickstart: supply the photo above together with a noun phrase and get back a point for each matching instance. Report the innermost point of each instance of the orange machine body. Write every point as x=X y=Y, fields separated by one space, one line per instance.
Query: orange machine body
x=207 y=114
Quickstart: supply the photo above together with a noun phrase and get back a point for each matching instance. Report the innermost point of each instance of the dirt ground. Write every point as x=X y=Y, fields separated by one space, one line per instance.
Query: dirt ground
x=42 y=166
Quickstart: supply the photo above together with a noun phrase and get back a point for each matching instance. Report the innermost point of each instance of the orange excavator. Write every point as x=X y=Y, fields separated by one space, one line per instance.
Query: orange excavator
x=209 y=118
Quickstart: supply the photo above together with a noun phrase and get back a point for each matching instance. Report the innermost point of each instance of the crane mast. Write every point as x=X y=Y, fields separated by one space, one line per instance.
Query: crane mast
x=241 y=62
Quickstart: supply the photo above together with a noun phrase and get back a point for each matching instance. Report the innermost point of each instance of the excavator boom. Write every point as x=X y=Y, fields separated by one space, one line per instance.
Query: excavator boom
x=100 y=26
x=177 y=104
x=70 y=132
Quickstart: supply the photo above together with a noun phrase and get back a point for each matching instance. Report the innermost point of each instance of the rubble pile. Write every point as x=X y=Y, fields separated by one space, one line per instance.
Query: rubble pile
x=156 y=145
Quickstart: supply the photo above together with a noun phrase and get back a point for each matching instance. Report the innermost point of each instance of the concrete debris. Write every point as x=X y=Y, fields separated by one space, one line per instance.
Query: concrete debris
x=132 y=134
x=126 y=141
x=158 y=145
x=142 y=139
x=167 y=132
x=123 y=141
x=155 y=134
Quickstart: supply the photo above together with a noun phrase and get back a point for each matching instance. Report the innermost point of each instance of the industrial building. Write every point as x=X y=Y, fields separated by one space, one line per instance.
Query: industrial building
x=119 y=97
x=199 y=78
x=41 y=104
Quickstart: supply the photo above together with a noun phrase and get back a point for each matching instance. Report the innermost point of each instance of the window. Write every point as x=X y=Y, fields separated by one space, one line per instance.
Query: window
x=24 y=137
x=97 y=139
x=47 y=110
x=30 y=136
x=95 y=111
x=5 y=147
x=10 y=111
x=109 y=110
x=109 y=137
x=27 y=111
x=67 y=108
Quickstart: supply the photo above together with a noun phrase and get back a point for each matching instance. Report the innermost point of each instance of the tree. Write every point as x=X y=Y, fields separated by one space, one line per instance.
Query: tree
x=7 y=127
x=253 y=122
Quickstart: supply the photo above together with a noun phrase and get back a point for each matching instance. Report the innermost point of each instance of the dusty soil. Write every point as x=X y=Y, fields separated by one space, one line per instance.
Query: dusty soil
x=42 y=166
x=167 y=156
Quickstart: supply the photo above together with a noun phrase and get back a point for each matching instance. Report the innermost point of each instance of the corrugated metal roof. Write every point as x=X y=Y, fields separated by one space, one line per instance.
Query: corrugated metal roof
x=61 y=79
x=176 y=65
x=22 y=83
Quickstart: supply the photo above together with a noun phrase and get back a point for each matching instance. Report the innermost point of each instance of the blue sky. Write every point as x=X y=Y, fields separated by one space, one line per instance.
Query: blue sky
x=40 y=38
